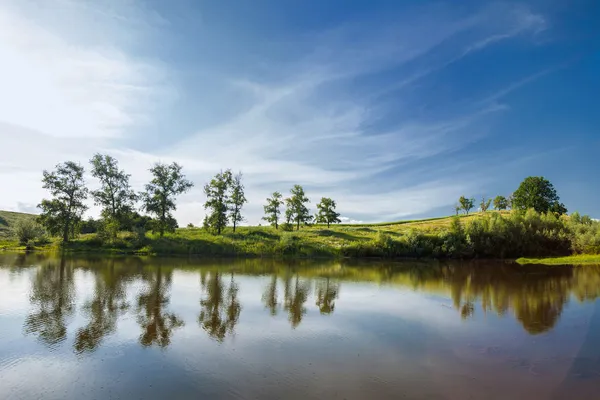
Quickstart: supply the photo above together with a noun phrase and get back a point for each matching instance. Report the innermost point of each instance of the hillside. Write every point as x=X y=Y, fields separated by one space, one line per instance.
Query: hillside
x=8 y=219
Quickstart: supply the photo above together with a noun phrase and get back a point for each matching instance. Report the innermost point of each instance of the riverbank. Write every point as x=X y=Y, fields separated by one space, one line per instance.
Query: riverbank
x=507 y=235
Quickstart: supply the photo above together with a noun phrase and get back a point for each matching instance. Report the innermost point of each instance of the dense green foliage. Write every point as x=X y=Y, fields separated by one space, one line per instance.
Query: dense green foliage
x=538 y=193
x=500 y=203
x=272 y=209
x=62 y=214
x=327 y=214
x=159 y=197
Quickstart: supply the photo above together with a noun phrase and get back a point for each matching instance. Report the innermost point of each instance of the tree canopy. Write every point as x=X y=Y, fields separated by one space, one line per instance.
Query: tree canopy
x=218 y=200
x=296 y=207
x=500 y=203
x=327 y=214
x=159 y=197
x=538 y=193
x=62 y=214
x=115 y=195
x=237 y=199
x=272 y=209
x=466 y=204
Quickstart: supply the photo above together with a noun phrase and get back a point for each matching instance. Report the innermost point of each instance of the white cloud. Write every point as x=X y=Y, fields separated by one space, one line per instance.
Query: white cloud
x=61 y=87
x=70 y=95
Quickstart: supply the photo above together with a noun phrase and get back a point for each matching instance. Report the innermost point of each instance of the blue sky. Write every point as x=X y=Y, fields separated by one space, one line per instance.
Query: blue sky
x=392 y=108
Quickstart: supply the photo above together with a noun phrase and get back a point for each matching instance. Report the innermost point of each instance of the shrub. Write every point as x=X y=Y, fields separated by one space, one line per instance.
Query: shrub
x=26 y=230
x=287 y=227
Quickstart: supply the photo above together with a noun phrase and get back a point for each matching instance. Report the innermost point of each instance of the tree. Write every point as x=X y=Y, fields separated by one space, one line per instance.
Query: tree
x=500 y=203
x=327 y=214
x=296 y=206
x=272 y=210
x=115 y=196
x=485 y=204
x=237 y=200
x=538 y=193
x=217 y=200
x=466 y=204
x=457 y=208
x=159 y=198
x=62 y=214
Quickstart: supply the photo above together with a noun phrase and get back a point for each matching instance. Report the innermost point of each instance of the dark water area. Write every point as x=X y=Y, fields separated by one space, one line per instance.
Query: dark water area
x=155 y=328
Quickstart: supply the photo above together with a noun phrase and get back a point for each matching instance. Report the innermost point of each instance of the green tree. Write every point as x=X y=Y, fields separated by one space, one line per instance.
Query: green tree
x=500 y=203
x=62 y=214
x=237 y=199
x=327 y=214
x=296 y=206
x=115 y=195
x=272 y=209
x=466 y=204
x=159 y=197
x=217 y=200
x=538 y=193
x=485 y=204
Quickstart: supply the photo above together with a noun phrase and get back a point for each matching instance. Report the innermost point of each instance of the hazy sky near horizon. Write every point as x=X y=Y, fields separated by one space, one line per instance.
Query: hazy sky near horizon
x=393 y=108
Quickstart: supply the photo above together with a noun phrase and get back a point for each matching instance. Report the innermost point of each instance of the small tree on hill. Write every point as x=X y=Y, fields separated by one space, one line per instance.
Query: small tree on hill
x=296 y=207
x=217 y=200
x=500 y=203
x=538 y=193
x=159 y=197
x=237 y=199
x=485 y=204
x=62 y=214
x=272 y=209
x=466 y=204
x=327 y=214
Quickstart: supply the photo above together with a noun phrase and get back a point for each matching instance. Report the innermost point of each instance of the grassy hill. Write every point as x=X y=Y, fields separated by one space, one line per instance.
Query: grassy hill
x=8 y=219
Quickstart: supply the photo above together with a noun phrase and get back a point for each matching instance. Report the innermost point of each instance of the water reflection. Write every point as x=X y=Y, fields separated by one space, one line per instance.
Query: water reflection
x=220 y=308
x=155 y=320
x=535 y=296
x=52 y=301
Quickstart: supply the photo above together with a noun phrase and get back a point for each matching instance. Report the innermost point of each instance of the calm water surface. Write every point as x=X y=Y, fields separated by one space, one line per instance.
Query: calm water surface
x=129 y=328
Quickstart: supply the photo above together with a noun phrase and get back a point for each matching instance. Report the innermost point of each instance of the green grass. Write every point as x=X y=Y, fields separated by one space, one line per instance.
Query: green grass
x=582 y=259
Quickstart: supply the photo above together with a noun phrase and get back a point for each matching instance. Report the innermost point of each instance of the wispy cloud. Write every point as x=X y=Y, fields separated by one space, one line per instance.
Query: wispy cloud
x=65 y=86
x=320 y=120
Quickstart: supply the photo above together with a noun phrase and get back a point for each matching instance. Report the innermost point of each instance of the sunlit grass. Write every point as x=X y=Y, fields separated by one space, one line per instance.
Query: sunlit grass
x=581 y=259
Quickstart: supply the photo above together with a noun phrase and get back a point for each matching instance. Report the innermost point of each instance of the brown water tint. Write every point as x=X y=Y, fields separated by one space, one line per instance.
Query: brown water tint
x=73 y=328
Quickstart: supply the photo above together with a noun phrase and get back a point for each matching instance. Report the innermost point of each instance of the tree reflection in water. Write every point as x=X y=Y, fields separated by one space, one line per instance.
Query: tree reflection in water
x=52 y=298
x=156 y=322
x=534 y=295
x=220 y=308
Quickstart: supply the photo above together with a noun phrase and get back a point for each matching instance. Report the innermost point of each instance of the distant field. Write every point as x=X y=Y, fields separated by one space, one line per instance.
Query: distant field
x=8 y=219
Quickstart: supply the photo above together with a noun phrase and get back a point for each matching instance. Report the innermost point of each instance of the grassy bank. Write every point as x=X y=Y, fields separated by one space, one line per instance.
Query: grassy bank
x=507 y=235
x=580 y=259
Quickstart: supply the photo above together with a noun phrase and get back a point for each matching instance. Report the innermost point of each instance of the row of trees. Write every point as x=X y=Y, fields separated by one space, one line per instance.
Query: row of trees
x=297 y=211
x=62 y=214
x=535 y=192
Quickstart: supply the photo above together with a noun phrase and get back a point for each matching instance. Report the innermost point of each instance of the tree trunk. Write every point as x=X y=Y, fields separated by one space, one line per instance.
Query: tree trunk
x=327 y=224
x=298 y=224
x=234 y=223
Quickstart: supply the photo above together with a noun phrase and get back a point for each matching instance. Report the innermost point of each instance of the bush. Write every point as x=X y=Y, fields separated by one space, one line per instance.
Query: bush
x=286 y=227
x=26 y=230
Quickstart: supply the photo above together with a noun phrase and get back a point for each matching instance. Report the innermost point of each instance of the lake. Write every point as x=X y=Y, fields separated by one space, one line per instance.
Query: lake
x=156 y=328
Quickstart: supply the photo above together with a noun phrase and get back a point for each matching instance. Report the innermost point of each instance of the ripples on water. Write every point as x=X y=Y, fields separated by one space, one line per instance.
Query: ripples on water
x=155 y=328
